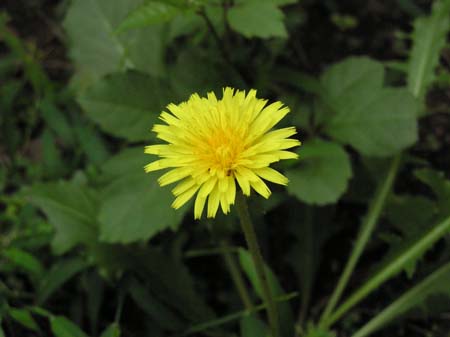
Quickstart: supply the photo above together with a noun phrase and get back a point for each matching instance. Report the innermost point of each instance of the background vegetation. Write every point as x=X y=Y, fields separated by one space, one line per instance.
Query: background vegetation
x=89 y=245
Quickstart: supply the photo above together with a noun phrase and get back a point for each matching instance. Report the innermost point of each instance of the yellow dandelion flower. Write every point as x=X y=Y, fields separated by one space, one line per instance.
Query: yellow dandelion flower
x=214 y=143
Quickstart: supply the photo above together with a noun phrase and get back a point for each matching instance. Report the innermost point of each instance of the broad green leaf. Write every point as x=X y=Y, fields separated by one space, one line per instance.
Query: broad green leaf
x=380 y=124
x=376 y=121
x=126 y=104
x=311 y=228
x=168 y=279
x=410 y=213
x=393 y=265
x=208 y=76
x=113 y=330
x=232 y=317
x=257 y=19
x=24 y=260
x=71 y=209
x=159 y=312
x=134 y=207
x=429 y=38
x=95 y=48
x=41 y=311
x=297 y=79
x=351 y=78
x=322 y=175
x=187 y=23
x=147 y=14
x=440 y=186
x=313 y=330
x=62 y=327
x=56 y=121
x=286 y=317
x=411 y=216
x=435 y=284
x=252 y=326
x=59 y=274
x=91 y=142
x=24 y=317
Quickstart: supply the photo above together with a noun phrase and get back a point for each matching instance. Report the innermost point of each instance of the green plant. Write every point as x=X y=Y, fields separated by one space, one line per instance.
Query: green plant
x=89 y=245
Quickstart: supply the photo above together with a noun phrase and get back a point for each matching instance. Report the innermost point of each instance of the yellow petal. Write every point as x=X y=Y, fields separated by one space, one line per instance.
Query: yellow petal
x=213 y=202
x=272 y=175
x=243 y=183
x=198 y=207
x=183 y=186
x=184 y=197
x=174 y=175
x=261 y=187
x=207 y=187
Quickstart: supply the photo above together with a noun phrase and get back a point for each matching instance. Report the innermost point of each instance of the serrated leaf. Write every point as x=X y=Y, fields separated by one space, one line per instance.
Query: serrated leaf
x=95 y=48
x=412 y=216
x=409 y=213
x=429 y=37
x=252 y=326
x=376 y=121
x=311 y=227
x=232 y=317
x=393 y=264
x=286 y=317
x=159 y=312
x=24 y=260
x=148 y=14
x=126 y=104
x=91 y=142
x=440 y=185
x=207 y=72
x=56 y=121
x=24 y=317
x=71 y=209
x=170 y=282
x=113 y=330
x=257 y=19
x=435 y=284
x=62 y=327
x=323 y=174
x=350 y=79
x=134 y=206
x=60 y=273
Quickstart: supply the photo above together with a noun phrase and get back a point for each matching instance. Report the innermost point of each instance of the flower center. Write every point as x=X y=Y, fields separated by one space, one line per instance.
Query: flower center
x=224 y=148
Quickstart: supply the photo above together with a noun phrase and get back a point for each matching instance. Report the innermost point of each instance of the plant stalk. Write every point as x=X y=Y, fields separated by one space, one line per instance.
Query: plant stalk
x=236 y=275
x=365 y=232
x=252 y=243
x=392 y=268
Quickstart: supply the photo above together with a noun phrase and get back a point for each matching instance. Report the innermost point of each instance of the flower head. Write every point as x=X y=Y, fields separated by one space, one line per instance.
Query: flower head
x=212 y=144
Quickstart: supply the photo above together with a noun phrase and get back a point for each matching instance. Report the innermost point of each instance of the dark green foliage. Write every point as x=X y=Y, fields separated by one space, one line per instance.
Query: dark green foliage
x=89 y=243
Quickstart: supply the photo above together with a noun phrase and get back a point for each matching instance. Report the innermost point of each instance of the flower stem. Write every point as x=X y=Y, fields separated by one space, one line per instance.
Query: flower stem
x=252 y=243
x=365 y=232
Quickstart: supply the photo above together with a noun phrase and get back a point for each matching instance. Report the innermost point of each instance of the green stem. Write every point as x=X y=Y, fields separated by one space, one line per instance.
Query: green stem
x=233 y=317
x=413 y=297
x=236 y=275
x=365 y=232
x=252 y=242
x=392 y=268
